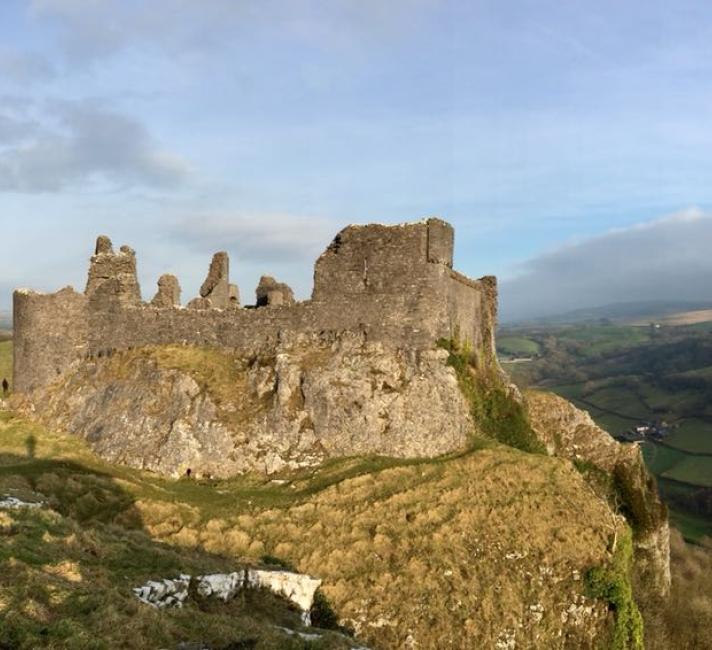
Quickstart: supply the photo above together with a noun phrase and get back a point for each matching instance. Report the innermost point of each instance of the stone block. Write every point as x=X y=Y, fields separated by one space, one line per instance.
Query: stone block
x=441 y=238
x=234 y=295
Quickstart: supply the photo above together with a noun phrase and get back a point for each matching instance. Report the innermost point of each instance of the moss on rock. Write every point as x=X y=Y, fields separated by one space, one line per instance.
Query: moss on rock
x=494 y=407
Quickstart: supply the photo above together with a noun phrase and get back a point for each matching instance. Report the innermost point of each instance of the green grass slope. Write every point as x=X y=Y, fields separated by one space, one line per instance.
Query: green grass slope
x=67 y=569
x=517 y=346
x=439 y=550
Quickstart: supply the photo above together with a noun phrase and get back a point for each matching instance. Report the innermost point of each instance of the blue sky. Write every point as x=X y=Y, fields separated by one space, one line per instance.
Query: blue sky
x=181 y=128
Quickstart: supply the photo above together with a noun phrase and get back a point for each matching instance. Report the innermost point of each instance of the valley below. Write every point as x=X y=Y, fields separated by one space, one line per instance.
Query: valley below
x=646 y=383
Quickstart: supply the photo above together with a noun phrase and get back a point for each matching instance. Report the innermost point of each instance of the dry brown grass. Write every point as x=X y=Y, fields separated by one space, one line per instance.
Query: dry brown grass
x=454 y=554
x=451 y=553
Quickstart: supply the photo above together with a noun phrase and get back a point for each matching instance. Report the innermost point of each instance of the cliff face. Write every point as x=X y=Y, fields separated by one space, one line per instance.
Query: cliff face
x=571 y=433
x=220 y=413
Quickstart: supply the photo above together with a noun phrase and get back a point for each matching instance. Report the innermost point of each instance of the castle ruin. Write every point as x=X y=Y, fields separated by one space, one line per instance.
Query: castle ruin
x=392 y=284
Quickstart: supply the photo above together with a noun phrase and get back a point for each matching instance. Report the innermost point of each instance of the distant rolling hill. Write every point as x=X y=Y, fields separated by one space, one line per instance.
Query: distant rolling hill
x=5 y=321
x=677 y=312
x=678 y=318
x=5 y=324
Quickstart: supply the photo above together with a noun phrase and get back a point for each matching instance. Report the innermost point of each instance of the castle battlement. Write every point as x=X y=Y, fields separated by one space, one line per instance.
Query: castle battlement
x=392 y=284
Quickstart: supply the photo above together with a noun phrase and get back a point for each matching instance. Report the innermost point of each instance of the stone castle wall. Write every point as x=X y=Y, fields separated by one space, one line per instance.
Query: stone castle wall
x=49 y=333
x=393 y=284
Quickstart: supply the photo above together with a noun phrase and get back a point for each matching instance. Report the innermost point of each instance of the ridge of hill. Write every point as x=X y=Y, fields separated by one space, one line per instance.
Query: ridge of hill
x=515 y=539
x=620 y=312
x=474 y=549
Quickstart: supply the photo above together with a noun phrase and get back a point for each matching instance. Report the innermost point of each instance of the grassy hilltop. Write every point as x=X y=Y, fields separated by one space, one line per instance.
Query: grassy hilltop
x=471 y=549
x=400 y=545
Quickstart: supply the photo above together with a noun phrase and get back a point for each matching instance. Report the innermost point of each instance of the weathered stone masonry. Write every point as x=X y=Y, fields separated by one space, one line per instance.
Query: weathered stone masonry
x=392 y=284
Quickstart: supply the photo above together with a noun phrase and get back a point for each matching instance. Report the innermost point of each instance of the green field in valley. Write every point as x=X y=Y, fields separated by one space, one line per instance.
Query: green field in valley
x=662 y=459
x=517 y=346
x=626 y=376
x=695 y=470
x=600 y=339
x=702 y=373
x=692 y=435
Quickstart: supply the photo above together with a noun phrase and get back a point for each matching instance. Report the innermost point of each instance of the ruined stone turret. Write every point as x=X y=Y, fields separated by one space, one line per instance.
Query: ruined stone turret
x=168 y=292
x=217 y=285
x=112 y=276
x=271 y=292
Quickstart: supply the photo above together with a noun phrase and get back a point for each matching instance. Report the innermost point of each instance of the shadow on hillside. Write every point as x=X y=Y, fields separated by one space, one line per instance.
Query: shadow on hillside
x=85 y=495
x=53 y=555
x=67 y=569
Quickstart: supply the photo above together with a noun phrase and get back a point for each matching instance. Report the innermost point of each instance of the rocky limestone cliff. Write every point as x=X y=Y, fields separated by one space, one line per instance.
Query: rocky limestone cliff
x=571 y=433
x=503 y=540
x=173 y=408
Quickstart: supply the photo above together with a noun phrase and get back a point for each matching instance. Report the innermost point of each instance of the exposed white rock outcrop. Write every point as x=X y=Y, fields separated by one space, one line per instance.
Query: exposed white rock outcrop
x=164 y=593
x=297 y=588
x=220 y=585
x=13 y=503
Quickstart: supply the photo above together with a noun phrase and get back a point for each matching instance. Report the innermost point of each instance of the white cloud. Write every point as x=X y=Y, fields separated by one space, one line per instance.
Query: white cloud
x=91 y=30
x=24 y=67
x=257 y=237
x=82 y=143
x=665 y=259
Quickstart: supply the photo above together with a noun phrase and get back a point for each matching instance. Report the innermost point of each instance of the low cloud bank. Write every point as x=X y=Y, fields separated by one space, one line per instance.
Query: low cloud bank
x=666 y=259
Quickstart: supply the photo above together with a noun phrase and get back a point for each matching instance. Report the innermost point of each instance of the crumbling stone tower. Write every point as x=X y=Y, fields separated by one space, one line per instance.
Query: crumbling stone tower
x=393 y=284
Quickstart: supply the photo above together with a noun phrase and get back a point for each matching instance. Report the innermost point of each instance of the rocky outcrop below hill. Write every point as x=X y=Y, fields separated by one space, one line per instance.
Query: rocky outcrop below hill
x=618 y=473
x=168 y=409
x=172 y=409
x=492 y=548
